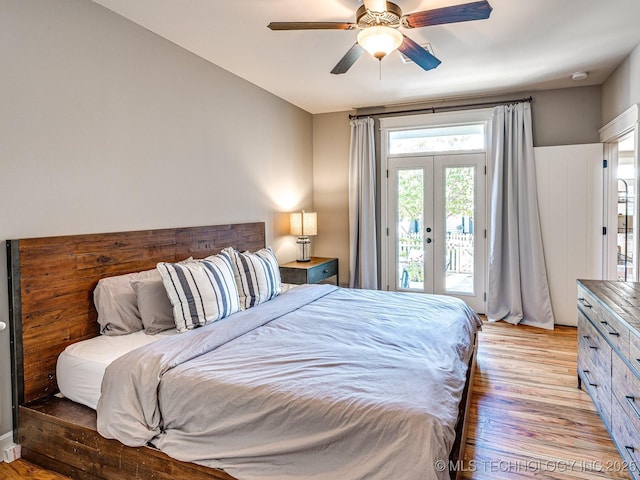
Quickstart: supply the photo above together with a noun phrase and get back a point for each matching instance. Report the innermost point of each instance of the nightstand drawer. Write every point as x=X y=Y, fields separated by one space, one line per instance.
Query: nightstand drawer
x=291 y=275
x=314 y=271
x=323 y=271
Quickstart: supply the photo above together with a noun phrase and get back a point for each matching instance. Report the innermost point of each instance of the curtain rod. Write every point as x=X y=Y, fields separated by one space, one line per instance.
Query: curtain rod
x=443 y=108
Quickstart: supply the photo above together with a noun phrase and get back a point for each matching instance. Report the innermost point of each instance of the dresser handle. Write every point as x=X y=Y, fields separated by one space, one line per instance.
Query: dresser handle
x=587 y=337
x=631 y=401
x=586 y=375
x=584 y=302
x=325 y=271
x=610 y=330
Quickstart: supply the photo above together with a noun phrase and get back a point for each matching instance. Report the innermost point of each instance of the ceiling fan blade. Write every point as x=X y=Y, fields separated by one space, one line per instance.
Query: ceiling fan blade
x=376 y=5
x=348 y=60
x=418 y=54
x=454 y=14
x=311 y=26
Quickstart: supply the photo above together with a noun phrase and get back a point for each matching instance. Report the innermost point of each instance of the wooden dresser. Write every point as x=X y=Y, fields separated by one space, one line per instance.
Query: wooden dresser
x=609 y=359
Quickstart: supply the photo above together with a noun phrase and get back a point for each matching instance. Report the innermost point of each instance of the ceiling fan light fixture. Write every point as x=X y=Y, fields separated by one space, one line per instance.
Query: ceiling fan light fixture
x=380 y=40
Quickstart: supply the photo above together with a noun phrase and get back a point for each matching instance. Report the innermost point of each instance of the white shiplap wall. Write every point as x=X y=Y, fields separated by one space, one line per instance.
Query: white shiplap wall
x=570 y=198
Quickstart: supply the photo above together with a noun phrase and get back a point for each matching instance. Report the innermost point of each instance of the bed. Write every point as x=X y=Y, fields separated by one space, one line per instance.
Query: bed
x=51 y=281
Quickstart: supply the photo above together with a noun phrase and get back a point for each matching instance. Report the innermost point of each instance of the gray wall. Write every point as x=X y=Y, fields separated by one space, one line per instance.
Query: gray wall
x=568 y=116
x=331 y=139
x=622 y=89
x=107 y=127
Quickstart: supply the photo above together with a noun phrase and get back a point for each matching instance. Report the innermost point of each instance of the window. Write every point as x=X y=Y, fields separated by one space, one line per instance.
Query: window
x=454 y=138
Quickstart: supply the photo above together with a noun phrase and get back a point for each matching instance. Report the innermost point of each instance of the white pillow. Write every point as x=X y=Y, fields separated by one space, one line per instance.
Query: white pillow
x=201 y=291
x=257 y=276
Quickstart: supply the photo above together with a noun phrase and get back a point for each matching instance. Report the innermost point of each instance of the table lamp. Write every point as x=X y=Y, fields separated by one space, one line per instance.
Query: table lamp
x=304 y=224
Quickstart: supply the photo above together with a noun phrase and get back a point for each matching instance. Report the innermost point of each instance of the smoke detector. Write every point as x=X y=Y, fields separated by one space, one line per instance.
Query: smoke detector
x=578 y=76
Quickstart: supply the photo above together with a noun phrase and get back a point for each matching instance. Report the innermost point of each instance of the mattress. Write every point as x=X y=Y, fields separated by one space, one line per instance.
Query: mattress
x=81 y=365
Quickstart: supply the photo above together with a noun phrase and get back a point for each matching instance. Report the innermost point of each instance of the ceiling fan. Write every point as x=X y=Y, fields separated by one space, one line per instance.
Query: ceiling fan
x=378 y=22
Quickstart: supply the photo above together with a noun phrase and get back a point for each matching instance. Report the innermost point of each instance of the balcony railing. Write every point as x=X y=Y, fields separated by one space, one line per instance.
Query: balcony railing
x=459 y=250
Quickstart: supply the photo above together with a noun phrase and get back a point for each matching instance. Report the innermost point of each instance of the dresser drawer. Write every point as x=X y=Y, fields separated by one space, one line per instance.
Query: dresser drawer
x=600 y=391
x=588 y=303
x=625 y=432
x=590 y=341
x=612 y=328
x=626 y=389
x=634 y=352
x=615 y=331
x=594 y=366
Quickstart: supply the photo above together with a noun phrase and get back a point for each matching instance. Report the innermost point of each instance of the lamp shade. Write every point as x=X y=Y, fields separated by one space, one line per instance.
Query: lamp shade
x=380 y=40
x=304 y=223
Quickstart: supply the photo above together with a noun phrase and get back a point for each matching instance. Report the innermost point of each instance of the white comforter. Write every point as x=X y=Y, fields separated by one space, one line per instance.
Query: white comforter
x=319 y=383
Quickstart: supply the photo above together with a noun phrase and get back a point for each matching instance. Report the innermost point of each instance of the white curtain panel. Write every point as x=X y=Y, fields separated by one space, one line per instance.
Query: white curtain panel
x=363 y=272
x=518 y=286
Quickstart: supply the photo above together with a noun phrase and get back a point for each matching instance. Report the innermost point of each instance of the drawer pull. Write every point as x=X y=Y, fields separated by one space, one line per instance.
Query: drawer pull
x=589 y=381
x=610 y=330
x=631 y=400
x=587 y=337
x=584 y=302
x=325 y=271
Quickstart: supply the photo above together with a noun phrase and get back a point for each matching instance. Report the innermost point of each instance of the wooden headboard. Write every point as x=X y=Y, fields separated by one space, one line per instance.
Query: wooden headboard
x=51 y=282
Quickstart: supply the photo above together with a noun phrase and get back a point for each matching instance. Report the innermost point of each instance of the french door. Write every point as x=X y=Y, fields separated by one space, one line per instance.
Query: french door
x=436 y=226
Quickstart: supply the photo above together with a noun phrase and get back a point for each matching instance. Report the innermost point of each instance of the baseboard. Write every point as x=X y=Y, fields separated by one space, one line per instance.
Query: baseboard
x=5 y=441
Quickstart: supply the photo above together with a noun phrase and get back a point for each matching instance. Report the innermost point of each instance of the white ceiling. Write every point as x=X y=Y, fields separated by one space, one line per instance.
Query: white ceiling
x=524 y=45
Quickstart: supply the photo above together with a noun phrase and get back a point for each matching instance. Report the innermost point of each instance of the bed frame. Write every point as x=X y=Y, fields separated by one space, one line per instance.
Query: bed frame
x=51 y=281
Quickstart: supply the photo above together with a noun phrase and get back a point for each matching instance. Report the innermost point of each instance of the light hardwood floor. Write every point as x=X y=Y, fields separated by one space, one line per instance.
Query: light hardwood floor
x=528 y=419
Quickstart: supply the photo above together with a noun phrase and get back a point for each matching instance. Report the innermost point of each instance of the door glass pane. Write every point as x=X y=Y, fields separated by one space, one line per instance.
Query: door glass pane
x=439 y=139
x=626 y=198
x=459 y=240
x=410 y=215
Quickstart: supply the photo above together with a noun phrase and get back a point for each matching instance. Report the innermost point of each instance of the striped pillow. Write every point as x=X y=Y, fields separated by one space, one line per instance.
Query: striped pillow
x=200 y=292
x=257 y=276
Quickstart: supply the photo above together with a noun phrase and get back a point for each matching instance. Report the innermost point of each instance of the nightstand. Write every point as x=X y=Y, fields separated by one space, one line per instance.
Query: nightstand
x=314 y=271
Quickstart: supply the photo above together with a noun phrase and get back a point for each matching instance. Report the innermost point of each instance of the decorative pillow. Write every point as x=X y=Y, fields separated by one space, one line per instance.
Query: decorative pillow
x=257 y=276
x=117 y=304
x=155 y=308
x=201 y=291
